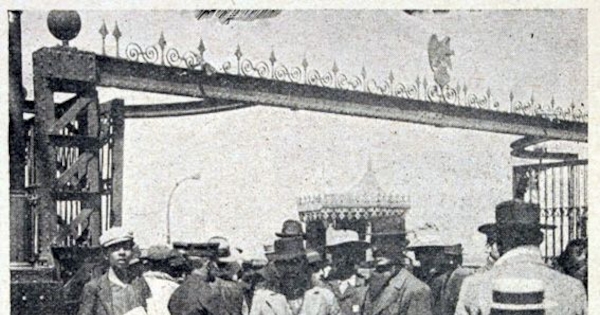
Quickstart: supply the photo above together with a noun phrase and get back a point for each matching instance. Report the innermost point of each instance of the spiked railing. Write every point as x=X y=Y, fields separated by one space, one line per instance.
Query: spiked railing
x=419 y=89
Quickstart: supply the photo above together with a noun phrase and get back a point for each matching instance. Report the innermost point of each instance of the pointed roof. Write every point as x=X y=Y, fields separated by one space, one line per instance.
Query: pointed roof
x=364 y=200
x=368 y=185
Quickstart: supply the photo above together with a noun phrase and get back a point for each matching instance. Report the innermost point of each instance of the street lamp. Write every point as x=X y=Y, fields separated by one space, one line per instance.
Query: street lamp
x=177 y=184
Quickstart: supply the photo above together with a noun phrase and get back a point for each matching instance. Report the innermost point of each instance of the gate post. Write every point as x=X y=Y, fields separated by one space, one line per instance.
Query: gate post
x=65 y=69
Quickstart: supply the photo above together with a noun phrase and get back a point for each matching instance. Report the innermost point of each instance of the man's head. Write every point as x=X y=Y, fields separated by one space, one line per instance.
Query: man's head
x=291 y=265
x=517 y=224
x=346 y=250
x=118 y=247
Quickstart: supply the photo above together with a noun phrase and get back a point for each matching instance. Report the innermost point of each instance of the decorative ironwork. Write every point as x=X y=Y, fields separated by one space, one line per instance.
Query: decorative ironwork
x=103 y=32
x=117 y=35
x=440 y=91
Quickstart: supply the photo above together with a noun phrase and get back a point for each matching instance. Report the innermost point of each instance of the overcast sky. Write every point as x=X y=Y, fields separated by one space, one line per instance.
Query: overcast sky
x=255 y=162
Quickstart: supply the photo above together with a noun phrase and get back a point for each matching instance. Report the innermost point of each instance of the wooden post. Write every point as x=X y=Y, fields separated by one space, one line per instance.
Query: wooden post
x=118 y=118
x=45 y=163
x=91 y=128
x=20 y=215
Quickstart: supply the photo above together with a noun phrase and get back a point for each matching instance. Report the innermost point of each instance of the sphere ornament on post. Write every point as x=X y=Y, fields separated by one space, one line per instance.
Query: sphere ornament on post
x=64 y=25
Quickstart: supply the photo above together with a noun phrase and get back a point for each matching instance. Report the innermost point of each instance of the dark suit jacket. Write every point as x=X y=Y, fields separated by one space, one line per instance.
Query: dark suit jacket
x=404 y=295
x=197 y=296
x=97 y=298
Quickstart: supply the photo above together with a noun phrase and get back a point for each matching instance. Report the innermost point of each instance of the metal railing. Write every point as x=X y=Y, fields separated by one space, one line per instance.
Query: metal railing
x=560 y=189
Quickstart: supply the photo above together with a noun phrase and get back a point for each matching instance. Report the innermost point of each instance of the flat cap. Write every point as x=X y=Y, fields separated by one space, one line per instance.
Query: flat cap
x=114 y=236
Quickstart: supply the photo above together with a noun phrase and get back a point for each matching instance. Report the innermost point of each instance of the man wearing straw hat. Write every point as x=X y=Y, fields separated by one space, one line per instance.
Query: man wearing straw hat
x=347 y=252
x=293 y=295
x=518 y=232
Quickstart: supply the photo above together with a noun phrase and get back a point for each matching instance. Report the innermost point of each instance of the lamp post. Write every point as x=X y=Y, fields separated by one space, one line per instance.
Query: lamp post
x=177 y=184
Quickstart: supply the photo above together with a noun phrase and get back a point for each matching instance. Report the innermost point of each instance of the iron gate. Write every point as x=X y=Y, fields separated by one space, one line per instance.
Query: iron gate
x=82 y=172
x=560 y=189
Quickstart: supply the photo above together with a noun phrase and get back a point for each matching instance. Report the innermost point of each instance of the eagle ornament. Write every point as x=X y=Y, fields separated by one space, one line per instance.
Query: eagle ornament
x=439 y=59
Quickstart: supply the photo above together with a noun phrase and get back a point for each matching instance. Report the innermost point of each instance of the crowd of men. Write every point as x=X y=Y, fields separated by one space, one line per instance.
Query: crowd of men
x=348 y=276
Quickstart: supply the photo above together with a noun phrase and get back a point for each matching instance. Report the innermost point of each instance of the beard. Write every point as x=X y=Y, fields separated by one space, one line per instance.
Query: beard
x=293 y=285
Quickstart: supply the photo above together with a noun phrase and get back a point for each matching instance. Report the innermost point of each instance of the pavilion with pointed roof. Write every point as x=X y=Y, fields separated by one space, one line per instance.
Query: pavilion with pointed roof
x=353 y=209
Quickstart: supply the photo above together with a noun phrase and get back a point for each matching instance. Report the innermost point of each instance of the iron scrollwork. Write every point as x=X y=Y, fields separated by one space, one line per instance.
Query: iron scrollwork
x=439 y=91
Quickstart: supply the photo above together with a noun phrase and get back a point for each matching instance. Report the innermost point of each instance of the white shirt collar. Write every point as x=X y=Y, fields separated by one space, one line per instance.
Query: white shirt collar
x=527 y=252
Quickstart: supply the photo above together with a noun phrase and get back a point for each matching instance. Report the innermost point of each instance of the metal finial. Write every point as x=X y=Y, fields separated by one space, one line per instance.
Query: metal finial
x=238 y=52
x=201 y=47
x=117 y=32
x=363 y=72
x=391 y=76
x=161 y=41
x=304 y=63
x=104 y=32
x=64 y=25
x=335 y=68
x=272 y=58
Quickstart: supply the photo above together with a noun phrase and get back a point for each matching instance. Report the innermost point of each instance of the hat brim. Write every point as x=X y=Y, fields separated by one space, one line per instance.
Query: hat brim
x=425 y=247
x=287 y=256
x=279 y=234
x=492 y=228
x=352 y=244
x=117 y=241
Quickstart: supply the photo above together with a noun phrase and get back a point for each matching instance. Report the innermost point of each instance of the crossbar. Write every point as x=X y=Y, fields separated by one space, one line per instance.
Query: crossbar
x=120 y=73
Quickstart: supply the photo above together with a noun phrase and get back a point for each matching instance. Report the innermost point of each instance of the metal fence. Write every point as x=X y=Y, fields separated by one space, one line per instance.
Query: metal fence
x=561 y=191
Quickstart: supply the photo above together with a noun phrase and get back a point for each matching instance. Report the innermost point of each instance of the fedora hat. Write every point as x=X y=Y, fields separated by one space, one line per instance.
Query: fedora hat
x=288 y=248
x=519 y=296
x=515 y=213
x=208 y=250
x=224 y=252
x=290 y=228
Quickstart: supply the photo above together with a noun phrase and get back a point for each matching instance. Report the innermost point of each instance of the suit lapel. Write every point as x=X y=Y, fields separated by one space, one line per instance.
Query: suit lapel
x=104 y=294
x=389 y=294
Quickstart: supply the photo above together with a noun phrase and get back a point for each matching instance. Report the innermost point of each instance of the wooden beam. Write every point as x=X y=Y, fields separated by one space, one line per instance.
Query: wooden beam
x=70 y=114
x=125 y=74
x=77 y=167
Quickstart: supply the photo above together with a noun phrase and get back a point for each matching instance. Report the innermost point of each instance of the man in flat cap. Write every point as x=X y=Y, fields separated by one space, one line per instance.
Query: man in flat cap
x=519 y=235
x=119 y=291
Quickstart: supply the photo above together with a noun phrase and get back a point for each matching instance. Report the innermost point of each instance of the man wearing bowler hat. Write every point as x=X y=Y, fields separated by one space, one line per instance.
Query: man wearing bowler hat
x=119 y=291
x=393 y=290
x=518 y=232
x=290 y=228
x=293 y=294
